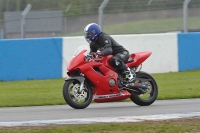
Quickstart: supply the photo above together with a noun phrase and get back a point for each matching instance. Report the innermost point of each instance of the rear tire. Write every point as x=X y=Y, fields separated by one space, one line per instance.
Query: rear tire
x=152 y=90
x=73 y=98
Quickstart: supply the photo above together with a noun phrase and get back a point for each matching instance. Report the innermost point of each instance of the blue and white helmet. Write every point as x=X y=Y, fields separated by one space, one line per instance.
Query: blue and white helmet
x=91 y=32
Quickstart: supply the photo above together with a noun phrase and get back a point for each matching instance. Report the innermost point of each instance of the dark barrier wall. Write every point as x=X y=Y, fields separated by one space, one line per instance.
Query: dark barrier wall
x=189 y=51
x=30 y=59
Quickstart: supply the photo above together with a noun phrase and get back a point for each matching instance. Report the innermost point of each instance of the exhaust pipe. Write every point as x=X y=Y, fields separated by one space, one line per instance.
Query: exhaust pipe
x=137 y=87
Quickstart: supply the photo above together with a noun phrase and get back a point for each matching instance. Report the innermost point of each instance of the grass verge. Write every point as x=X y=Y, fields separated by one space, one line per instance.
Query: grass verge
x=177 y=85
x=148 y=26
x=183 y=125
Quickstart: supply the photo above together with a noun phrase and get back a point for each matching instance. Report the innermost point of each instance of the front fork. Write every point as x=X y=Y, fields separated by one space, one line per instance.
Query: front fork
x=81 y=87
x=81 y=79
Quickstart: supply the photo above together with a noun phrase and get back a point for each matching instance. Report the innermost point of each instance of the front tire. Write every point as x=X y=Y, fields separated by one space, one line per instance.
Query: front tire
x=73 y=98
x=152 y=92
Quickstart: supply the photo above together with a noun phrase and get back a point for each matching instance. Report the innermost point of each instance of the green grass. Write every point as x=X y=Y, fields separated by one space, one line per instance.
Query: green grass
x=172 y=126
x=31 y=92
x=178 y=85
x=148 y=26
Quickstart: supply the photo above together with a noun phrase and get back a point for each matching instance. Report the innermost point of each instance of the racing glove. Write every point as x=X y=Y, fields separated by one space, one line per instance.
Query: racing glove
x=99 y=53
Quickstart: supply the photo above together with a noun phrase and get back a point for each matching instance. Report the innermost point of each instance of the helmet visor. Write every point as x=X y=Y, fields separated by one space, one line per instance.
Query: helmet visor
x=89 y=35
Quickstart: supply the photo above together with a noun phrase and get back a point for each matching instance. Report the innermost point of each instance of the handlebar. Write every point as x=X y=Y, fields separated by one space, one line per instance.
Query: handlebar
x=92 y=56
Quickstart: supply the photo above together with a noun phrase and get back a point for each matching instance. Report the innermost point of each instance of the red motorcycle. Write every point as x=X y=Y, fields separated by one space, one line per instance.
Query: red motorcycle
x=94 y=79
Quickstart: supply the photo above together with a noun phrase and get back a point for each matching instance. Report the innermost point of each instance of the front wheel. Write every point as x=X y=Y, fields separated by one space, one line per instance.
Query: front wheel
x=74 y=98
x=151 y=93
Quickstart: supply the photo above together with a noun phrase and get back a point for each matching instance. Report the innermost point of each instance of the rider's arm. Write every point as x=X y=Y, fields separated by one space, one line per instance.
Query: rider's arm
x=107 y=47
x=92 y=48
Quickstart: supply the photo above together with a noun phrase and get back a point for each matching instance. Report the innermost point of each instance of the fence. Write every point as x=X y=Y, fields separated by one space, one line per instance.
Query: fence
x=120 y=17
x=1 y=34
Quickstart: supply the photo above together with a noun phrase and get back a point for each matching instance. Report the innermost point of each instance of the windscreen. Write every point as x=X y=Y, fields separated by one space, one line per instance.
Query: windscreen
x=80 y=49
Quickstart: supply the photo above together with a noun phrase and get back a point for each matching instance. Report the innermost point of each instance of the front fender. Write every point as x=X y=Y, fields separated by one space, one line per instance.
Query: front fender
x=79 y=78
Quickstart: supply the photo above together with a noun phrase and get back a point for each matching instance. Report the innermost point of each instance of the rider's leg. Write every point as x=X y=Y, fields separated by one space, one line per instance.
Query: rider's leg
x=118 y=62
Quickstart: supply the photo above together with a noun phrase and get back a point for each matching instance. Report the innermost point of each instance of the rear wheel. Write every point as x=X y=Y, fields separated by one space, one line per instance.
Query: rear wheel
x=76 y=99
x=151 y=92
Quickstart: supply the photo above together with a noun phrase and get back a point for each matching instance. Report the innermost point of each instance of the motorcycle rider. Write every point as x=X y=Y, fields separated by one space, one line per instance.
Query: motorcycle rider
x=103 y=44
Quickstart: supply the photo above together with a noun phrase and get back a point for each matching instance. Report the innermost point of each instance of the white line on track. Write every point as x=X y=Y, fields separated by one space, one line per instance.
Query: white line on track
x=100 y=120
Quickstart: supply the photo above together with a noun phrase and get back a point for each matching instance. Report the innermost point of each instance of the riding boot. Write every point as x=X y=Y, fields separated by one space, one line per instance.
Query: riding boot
x=128 y=75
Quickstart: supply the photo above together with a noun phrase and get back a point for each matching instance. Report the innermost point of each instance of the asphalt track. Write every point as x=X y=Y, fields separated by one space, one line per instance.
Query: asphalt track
x=97 y=110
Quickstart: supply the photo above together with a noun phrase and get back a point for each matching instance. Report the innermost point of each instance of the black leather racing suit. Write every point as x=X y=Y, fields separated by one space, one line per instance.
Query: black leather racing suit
x=107 y=45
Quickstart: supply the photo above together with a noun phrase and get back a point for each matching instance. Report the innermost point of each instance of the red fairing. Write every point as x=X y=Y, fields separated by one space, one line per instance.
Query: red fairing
x=112 y=97
x=103 y=75
x=76 y=61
